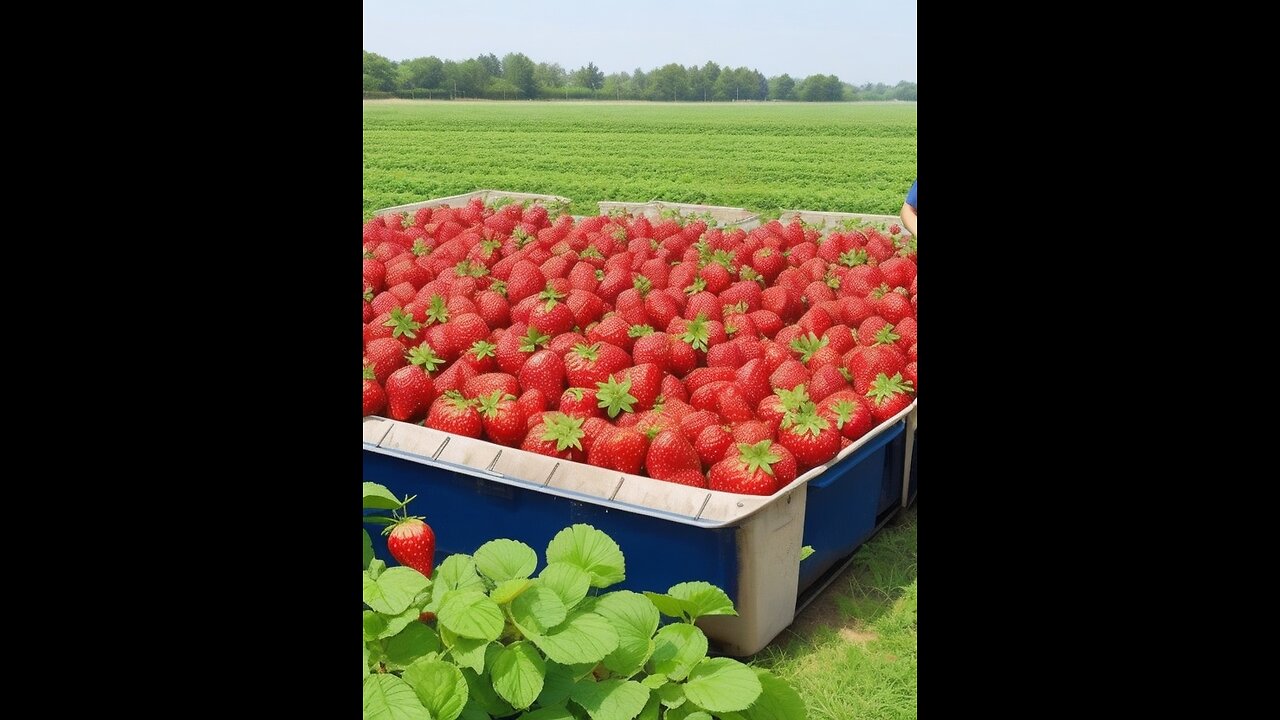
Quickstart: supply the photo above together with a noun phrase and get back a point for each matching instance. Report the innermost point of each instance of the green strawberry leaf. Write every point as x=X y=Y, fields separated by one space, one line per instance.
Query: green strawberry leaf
x=505 y=559
x=387 y=697
x=440 y=686
x=555 y=712
x=696 y=334
x=678 y=648
x=635 y=619
x=466 y=652
x=672 y=694
x=566 y=580
x=366 y=658
x=702 y=598
x=378 y=497
x=591 y=550
x=777 y=701
x=394 y=589
x=437 y=313
x=481 y=691
x=614 y=396
x=722 y=685
x=368 y=550
x=518 y=673
x=413 y=642
x=583 y=637
x=509 y=590
x=538 y=610
x=611 y=699
x=471 y=614
x=557 y=684
x=806 y=551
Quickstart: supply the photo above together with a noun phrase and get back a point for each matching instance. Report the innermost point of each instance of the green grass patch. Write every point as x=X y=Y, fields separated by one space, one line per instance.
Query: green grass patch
x=766 y=157
x=852 y=652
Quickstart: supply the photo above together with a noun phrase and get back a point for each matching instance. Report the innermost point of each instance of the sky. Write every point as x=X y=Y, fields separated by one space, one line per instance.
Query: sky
x=859 y=41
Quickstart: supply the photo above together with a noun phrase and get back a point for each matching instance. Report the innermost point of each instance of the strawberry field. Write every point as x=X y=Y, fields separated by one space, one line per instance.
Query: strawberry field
x=767 y=157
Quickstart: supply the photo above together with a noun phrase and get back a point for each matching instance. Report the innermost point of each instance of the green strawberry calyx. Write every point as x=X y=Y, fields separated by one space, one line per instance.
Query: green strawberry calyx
x=588 y=353
x=697 y=334
x=883 y=388
x=697 y=286
x=499 y=286
x=402 y=324
x=843 y=410
x=886 y=336
x=614 y=396
x=482 y=349
x=488 y=404
x=438 y=312
x=807 y=421
x=794 y=400
x=369 y=374
x=576 y=393
x=420 y=248
x=642 y=285
x=426 y=357
x=368 y=296
x=809 y=344
x=533 y=339
x=591 y=251
x=758 y=457
x=551 y=296
x=854 y=257
x=565 y=430
x=636 y=331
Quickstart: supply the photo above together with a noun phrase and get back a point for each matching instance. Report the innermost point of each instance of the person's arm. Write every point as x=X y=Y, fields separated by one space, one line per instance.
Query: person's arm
x=908 y=215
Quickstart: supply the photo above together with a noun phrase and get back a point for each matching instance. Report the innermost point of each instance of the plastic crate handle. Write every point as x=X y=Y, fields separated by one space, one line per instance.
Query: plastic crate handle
x=885 y=437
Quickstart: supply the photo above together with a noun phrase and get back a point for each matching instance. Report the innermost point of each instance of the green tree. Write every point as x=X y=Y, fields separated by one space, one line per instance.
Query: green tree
x=705 y=81
x=379 y=73
x=639 y=84
x=617 y=85
x=548 y=77
x=782 y=87
x=518 y=69
x=670 y=82
x=423 y=72
x=491 y=64
x=589 y=76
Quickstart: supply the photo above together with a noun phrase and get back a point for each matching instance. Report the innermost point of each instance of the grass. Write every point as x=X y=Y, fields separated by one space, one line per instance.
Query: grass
x=852 y=652
x=767 y=157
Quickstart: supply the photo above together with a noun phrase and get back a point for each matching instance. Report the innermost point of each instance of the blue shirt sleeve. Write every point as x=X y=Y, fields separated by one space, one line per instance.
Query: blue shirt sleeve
x=911 y=194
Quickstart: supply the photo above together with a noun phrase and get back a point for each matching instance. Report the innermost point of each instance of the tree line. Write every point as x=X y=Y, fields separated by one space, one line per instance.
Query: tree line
x=516 y=77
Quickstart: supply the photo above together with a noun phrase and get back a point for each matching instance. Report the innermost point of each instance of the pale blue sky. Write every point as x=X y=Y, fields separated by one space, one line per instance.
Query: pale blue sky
x=858 y=40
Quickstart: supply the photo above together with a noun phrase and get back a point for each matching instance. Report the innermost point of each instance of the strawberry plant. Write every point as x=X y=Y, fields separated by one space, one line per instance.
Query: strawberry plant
x=499 y=634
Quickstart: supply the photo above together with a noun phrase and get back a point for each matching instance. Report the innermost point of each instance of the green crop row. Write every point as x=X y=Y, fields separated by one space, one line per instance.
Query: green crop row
x=766 y=157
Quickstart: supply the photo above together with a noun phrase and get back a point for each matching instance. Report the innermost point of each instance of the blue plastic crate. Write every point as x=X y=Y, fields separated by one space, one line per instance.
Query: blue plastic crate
x=844 y=502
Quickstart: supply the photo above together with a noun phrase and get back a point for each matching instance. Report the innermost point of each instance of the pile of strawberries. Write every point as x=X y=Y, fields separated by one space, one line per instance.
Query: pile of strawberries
x=726 y=359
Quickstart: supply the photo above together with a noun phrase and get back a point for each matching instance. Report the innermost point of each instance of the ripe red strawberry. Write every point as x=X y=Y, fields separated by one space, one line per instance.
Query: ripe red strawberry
x=865 y=363
x=613 y=283
x=704 y=304
x=712 y=444
x=870 y=331
x=612 y=329
x=860 y=281
x=752 y=380
x=385 y=355
x=466 y=330
x=619 y=448
x=454 y=377
x=724 y=355
x=673 y=389
x=752 y=432
x=583 y=277
x=586 y=307
x=587 y=365
x=557 y=435
x=707 y=397
x=480 y=356
x=375 y=398
x=704 y=376
x=412 y=543
x=454 y=413
x=544 y=371
x=410 y=392
x=504 y=422
x=646 y=383
x=898 y=272
x=660 y=308
x=760 y=469
x=669 y=453
x=593 y=428
x=767 y=322
x=692 y=478
x=516 y=345
x=526 y=279
x=889 y=396
x=580 y=402
x=653 y=348
x=488 y=383
x=783 y=302
x=894 y=306
x=905 y=329
x=840 y=338
x=852 y=414
x=531 y=403
x=826 y=380
x=815 y=321
x=909 y=373
x=716 y=277
x=789 y=374
x=549 y=315
x=732 y=406
x=768 y=262
x=692 y=424
x=812 y=438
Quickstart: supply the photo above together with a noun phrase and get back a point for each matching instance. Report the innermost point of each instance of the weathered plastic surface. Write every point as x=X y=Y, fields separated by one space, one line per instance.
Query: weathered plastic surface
x=730 y=217
x=487 y=196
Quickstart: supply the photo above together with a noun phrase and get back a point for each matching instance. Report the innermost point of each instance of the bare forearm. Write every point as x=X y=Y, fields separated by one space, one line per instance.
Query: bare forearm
x=908 y=215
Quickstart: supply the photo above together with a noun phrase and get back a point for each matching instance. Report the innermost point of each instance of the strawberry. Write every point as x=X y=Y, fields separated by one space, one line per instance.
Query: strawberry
x=840 y=338
x=704 y=376
x=692 y=424
x=454 y=413
x=909 y=373
x=732 y=406
x=613 y=330
x=898 y=272
x=869 y=331
x=480 y=356
x=549 y=315
x=412 y=543
x=865 y=363
x=751 y=432
x=768 y=262
x=583 y=277
x=889 y=396
x=760 y=469
x=619 y=448
x=385 y=355
x=488 y=383
x=692 y=478
x=504 y=422
x=752 y=380
x=587 y=365
x=826 y=380
x=375 y=398
x=812 y=438
x=683 y=359
x=516 y=345
x=672 y=388
x=855 y=310
x=789 y=374
x=653 y=348
x=409 y=393
x=586 y=307
x=767 y=322
x=707 y=397
x=557 y=435
x=466 y=330
x=592 y=429
x=669 y=453
x=454 y=377
x=531 y=403
x=783 y=302
x=712 y=444
x=815 y=321
x=852 y=413
x=724 y=355
x=661 y=307
x=894 y=306
x=905 y=329
x=526 y=279
x=580 y=402
x=614 y=396
x=544 y=371
x=704 y=305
